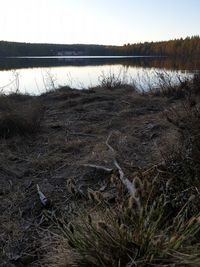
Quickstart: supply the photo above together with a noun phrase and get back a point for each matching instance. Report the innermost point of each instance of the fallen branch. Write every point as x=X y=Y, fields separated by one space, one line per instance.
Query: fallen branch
x=42 y=197
x=98 y=167
x=130 y=186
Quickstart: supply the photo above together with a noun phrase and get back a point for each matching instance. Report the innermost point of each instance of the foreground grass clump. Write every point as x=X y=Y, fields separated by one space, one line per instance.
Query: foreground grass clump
x=160 y=224
x=19 y=115
x=126 y=235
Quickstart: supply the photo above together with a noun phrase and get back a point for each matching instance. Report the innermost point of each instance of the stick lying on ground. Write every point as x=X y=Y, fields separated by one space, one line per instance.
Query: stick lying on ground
x=130 y=186
x=98 y=167
x=42 y=197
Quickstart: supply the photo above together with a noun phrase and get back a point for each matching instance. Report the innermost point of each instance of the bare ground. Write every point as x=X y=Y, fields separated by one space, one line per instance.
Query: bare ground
x=74 y=128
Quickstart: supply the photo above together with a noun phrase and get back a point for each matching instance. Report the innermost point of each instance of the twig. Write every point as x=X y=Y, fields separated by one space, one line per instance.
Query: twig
x=108 y=145
x=83 y=134
x=42 y=197
x=98 y=167
x=130 y=186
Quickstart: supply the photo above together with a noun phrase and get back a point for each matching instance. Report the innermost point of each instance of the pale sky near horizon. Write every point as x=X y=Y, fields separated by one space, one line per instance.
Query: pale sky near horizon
x=98 y=21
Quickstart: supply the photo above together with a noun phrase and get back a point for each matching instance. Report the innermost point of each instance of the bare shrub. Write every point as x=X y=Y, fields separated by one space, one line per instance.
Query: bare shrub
x=182 y=88
x=113 y=80
x=196 y=83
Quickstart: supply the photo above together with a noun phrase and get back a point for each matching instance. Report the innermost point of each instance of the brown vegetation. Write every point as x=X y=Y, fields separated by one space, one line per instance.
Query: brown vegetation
x=19 y=115
x=165 y=229
x=184 y=89
x=91 y=219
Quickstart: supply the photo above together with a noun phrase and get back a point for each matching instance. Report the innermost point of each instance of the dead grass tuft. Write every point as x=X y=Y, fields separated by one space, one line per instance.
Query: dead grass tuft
x=19 y=115
x=59 y=254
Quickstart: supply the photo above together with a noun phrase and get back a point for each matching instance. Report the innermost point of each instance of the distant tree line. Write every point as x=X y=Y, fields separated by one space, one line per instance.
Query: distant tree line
x=189 y=46
x=9 y=49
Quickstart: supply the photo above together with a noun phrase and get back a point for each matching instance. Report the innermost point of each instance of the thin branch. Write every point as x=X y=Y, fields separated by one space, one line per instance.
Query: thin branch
x=83 y=134
x=98 y=167
x=130 y=186
x=42 y=197
x=108 y=145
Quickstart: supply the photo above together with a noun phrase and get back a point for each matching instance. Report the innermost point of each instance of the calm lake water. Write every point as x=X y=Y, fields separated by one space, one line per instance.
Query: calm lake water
x=36 y=75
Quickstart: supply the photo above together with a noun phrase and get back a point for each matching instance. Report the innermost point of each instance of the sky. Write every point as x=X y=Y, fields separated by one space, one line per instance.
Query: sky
x=113 y=22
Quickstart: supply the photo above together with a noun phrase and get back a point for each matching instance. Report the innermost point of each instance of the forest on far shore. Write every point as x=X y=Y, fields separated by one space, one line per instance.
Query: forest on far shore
x=188 y=47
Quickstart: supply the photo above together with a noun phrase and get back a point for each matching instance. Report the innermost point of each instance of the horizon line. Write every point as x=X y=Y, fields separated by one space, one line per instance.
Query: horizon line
x=52 y=43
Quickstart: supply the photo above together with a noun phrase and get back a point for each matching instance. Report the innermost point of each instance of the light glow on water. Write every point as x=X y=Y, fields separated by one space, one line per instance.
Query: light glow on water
x=39 y=80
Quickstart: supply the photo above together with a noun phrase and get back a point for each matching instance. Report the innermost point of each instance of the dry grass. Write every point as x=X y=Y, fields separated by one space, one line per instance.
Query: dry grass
x=19 y=115
x=182 y=162
x=165 y=229
x=59 y=254
x=128 y=235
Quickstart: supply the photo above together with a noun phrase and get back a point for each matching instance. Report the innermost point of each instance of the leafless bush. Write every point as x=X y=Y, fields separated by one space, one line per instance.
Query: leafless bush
x=13 y=85
x=176 y=86
x=113 y=80
x=196 y=83
x=49 y=81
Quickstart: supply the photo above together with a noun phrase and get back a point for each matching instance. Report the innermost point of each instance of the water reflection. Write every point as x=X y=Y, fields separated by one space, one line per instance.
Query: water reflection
x=145 y=62
x=35 y=75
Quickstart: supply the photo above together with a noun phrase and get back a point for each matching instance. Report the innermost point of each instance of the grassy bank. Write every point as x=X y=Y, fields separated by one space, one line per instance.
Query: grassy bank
x=101 y=177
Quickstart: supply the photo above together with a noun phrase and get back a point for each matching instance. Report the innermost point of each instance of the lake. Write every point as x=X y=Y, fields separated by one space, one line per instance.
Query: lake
x=36 y=75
